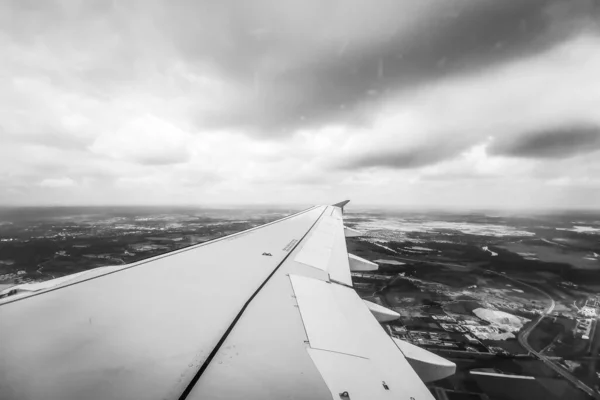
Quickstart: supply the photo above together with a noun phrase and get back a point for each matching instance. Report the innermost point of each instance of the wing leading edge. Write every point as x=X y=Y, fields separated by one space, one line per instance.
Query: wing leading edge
x=266 y=313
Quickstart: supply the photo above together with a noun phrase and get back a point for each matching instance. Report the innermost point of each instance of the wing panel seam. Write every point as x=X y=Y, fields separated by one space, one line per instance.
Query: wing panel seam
x=339 y=352
x=213 y=353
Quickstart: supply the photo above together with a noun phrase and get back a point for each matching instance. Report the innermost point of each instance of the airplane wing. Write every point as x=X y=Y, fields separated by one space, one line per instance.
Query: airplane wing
x=267 y=313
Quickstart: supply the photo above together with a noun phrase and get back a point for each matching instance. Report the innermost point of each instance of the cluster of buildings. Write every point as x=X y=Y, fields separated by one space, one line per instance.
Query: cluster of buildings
x=481 y=332
x=439 y=340
x=521 y=308
x=16 y=278
x=444 y=318
x=12 y=276
x=101 y=256
x=370 y=276
x=589 y=307
x=427 y=338
x=593 y=301
x=454 y=328
x=141 y=247
x=568 y=284
x=587 y=315
x=587 y=312
x=456 y=335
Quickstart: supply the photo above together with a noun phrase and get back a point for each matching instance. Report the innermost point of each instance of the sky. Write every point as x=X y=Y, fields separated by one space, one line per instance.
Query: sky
x=412 y=103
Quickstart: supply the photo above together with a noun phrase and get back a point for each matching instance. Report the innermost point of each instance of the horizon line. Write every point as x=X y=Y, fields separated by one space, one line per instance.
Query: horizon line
x=351 y=208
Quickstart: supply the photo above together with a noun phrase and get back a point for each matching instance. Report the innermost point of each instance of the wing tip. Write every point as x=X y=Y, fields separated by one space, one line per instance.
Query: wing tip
x=341 y=204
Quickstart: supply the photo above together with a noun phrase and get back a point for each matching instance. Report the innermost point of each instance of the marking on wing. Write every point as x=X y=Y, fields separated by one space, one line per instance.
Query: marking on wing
x=290 y=245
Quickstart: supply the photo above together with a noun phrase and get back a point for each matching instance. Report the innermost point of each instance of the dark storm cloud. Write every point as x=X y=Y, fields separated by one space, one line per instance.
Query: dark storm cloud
x=402 y=158
x=338 y=82
x=551 y=143
x=293 y=64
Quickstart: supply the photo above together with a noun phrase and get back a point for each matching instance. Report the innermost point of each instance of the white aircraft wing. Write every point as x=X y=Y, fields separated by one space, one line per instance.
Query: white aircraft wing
x=268 y=313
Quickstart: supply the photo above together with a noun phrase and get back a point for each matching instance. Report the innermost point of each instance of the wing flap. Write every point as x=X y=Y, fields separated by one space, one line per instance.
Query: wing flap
x=324 y=316
x=337 y=321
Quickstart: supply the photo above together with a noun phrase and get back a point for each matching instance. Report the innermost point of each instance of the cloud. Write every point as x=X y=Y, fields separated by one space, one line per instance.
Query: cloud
x=557 y=142
x=511 y=104
x=146 y=140
x=276 y=66
x=298 y=74
x=57 y=182
x=402 y=158
x=186 y=101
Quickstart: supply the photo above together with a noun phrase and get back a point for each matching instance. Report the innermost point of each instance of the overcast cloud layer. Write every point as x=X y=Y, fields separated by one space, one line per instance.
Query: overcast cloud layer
x=443 y=103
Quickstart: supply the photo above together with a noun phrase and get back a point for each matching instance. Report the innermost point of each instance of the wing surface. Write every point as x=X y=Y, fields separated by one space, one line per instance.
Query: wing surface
x=267 y=313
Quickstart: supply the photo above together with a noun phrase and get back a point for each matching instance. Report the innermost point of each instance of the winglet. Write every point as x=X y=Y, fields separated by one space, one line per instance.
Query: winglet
x=341 y=204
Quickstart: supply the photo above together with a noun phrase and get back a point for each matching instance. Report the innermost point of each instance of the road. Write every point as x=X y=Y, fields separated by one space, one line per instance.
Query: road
x=523 y=335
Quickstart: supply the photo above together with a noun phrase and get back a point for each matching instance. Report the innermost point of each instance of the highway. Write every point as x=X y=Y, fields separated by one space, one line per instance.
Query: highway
x=523 y=335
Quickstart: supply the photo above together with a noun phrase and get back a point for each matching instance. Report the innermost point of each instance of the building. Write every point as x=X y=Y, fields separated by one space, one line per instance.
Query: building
x=583 y=328
x=588 y=312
